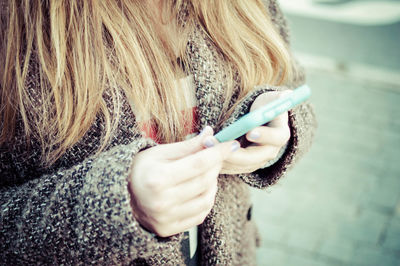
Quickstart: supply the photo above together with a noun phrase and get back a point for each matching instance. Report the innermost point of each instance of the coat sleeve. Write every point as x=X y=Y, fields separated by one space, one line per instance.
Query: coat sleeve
x=302 y=125
x=76 y=215
x=302 y=120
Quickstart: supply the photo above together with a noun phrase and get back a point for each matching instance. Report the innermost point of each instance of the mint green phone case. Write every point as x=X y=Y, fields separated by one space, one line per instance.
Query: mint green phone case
x=264 y=114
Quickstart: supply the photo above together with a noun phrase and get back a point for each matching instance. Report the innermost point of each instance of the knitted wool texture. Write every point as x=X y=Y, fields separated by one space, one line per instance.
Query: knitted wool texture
x=78 y=212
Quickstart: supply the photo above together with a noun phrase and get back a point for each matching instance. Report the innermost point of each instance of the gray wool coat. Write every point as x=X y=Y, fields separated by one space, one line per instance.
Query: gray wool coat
x=78 y=210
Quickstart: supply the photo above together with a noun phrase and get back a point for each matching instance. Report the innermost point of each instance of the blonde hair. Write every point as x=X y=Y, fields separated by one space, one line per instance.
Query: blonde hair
x=93 y=53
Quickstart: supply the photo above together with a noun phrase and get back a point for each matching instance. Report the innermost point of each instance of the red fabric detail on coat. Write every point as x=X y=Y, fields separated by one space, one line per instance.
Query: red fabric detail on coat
x=150 y=130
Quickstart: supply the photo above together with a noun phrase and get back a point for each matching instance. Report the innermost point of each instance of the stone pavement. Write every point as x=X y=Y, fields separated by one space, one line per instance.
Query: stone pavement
x=341 y=204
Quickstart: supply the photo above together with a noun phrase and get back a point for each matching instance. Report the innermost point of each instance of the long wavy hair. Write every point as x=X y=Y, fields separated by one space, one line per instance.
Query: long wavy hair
x=91 y=54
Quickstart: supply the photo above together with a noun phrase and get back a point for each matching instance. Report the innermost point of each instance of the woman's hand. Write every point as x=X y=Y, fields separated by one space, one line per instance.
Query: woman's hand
x=173 y=186
x=267 y=140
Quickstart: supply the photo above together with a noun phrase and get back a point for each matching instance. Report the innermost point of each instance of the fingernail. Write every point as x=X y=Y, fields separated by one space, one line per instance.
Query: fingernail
x=235 y=146
x=254 y=135
x=209 y=143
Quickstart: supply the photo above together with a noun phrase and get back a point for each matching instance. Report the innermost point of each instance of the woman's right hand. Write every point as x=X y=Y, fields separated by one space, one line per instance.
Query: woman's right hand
x=173 y=186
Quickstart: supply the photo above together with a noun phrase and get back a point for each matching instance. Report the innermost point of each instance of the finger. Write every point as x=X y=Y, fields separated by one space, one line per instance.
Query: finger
x=284 y=93
x=280 y=121
x=265 y=135
x=253 y=155
x=182 y=226
x=186 y=215
x=173 y=151
x=203 y=202
x=191 y=221
x=264 y=99
x=267 y=97
x=198 y=163
x=192 y=188
x=231 y=169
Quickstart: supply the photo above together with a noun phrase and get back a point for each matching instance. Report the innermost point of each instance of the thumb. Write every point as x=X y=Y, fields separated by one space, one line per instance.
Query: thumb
x=177 y=150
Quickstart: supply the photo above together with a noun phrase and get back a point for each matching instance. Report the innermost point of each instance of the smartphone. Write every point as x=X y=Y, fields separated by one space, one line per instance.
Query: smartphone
x=264 y=114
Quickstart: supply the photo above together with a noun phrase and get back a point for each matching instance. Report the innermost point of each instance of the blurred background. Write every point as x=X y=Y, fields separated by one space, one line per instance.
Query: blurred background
x=341 y=204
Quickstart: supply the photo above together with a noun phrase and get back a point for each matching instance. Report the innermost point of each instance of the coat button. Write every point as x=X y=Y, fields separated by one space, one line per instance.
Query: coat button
x=249 y=213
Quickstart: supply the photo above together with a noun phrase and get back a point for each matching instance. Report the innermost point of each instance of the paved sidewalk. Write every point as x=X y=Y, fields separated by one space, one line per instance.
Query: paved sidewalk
x=341 y=204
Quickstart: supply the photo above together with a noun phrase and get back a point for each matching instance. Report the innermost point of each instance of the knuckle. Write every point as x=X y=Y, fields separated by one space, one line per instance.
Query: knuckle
x=160 y=220
x=152 y=183
x=155 y=181
x=158 y=206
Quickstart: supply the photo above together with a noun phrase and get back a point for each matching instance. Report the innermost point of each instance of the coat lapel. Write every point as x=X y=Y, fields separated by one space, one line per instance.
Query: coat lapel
x=208 y=73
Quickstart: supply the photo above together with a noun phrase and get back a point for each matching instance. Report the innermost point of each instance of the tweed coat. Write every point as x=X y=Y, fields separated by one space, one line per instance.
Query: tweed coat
x=78 y=211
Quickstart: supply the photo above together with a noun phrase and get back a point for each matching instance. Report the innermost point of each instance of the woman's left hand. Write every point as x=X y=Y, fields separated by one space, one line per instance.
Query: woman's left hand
x=266 y=141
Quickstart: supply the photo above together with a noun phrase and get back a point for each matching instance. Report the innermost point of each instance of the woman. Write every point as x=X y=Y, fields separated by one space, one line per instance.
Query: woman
x=97 y=98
